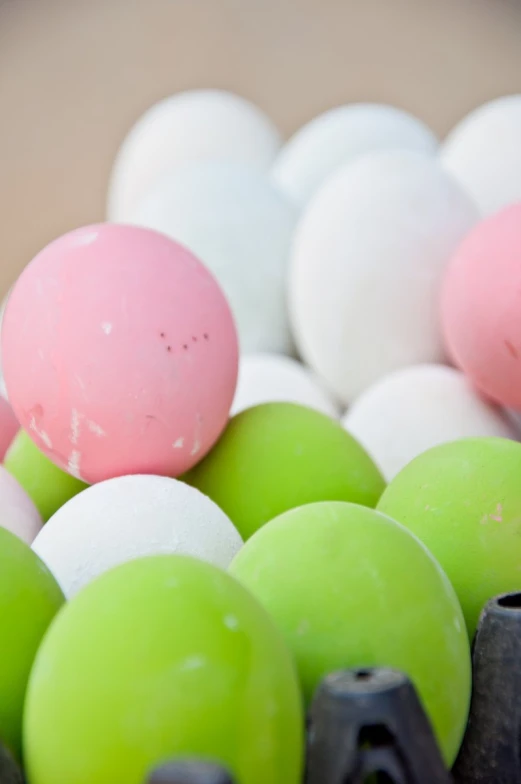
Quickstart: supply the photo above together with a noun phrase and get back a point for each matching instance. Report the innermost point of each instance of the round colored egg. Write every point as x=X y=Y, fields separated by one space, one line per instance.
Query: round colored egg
x=350 y=588
x=481 y=303
x=277 y=456
x=47 y=485
x=367 y=268
x=340 y=135
x=120 y=354
x=463 y=500
x=29 y=599
x=196 y=125
x=180 y=661
x=241 y=227
x=274 y=378
x=412 y=410
x=18 y=513
x=9 y=426
x=483 y=152
x=131 y=516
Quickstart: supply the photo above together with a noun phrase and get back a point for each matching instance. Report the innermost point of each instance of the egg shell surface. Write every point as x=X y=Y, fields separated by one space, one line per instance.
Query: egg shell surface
x=463 y=501
x=481 y=306
x=29 y=600
x=357 y=590
x=47 y=485
x=414 y=409
x=18 y=513
x=131 y=516
x=340 y=135
x=190 y=126
x=180 y=661
x=483 y=152
x=273 y=378
x=9 y=426
x=367 y=268
x=120 y=353
x=277 y=456
x=241 y=227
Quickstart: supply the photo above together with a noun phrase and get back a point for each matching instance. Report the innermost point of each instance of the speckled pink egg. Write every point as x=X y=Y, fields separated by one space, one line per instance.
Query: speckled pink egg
x=481 y=307
x=120 y=353
x=9 y=426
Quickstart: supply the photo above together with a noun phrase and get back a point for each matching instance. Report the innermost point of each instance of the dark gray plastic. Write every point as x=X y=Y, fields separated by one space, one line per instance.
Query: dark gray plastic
x=368 y=725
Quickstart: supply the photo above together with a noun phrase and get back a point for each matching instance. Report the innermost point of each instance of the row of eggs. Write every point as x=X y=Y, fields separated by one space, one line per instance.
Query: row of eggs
x=156 y=642
x=339 y=240
x=120 y=355
x=344 y=235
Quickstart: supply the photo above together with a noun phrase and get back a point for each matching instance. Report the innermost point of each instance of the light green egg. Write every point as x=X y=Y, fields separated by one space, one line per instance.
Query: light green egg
x=47 y=485
x=463 y=500
x=161 y=657
x=29 y=599
x=349 y=587
x=278 y=456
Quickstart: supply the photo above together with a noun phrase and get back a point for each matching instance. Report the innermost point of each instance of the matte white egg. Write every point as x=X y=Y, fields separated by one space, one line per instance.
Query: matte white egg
x=189 y=126
x=483 y=152
x=367 y=265
x=238 y=224
x=338 y=136
x=273 y=378
x=128 y=517
x=17 y=511
x=417 y=408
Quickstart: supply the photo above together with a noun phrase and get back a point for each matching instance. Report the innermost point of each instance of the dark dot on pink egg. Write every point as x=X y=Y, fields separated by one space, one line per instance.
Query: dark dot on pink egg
x=194 y=339
x=185 y=346
x=169 y=348
x=206 y=336
x=162 y=334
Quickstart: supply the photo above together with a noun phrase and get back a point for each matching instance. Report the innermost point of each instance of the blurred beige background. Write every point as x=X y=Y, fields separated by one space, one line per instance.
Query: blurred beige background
x=75 y=74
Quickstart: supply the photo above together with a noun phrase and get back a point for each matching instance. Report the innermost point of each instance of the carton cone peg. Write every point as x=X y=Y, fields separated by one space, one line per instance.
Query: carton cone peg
x=370 y=722
x=10 y=773
x=491 y=750
x=190 y=772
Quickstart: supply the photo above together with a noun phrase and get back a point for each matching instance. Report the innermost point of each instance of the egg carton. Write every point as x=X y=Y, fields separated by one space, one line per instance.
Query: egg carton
x=369 y=726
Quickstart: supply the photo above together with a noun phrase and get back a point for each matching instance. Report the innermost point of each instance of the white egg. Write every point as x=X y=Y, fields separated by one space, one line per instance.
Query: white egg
x=239 y=225
x=128 y=517
x=337 y=137
x=272 y=378
x=190 y=126
x=483 y=153
x=17 y=511
x=367 y=265
x=414 y=409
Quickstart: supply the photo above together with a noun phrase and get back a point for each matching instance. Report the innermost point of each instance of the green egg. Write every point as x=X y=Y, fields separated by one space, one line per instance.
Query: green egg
x=164 y=656
x=349 y=588
x=277 y=456
x=463 y=500
x=29 y=599
x=47 y=485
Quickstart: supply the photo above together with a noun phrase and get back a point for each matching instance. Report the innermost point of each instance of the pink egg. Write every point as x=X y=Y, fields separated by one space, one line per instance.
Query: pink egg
x=120 y=353
x=17 y=511
x=9 y=426
x=481 y=307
